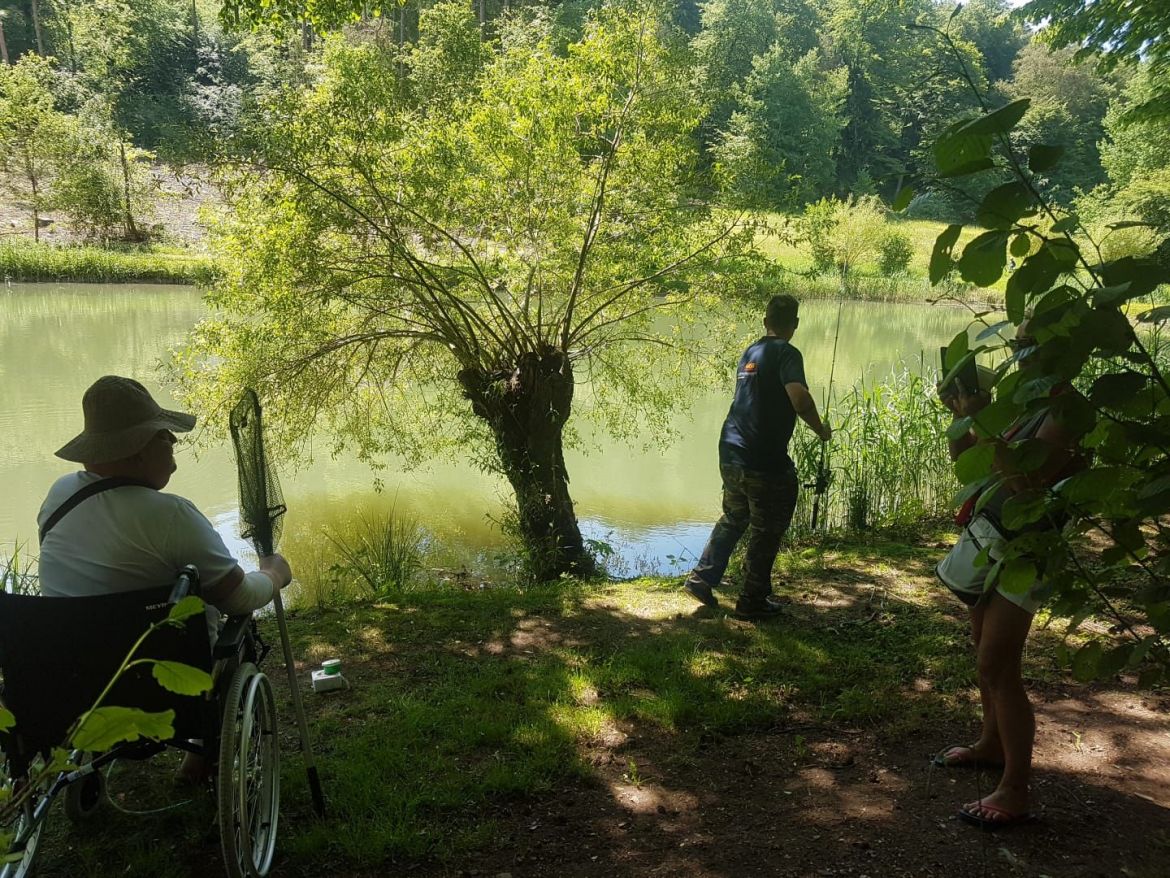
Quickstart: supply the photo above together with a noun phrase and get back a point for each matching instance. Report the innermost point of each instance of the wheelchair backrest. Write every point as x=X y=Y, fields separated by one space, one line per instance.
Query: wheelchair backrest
x=58 y=654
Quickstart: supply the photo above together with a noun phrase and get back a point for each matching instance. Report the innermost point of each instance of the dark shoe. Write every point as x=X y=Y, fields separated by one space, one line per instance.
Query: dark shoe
x=700 y=591
x=757 y=608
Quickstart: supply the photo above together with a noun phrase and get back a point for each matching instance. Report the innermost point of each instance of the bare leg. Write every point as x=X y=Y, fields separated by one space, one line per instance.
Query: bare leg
x=988 y=748
x=1001 y=648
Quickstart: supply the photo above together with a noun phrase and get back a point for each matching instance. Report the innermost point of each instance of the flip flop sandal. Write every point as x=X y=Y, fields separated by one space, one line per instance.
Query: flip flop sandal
x=1005 y=819
x=940 y=760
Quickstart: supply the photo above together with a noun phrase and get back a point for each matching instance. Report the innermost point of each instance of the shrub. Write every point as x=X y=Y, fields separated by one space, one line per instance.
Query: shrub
x=894 y=251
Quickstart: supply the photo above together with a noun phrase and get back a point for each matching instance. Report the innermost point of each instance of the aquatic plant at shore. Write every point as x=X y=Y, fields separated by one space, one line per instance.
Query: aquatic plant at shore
x=888 y=459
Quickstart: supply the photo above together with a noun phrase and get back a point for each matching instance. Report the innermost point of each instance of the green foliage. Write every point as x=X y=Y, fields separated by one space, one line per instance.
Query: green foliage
x=888 y=460
x=33 y=133
x=843 y=234
x=487 y=248
x=787 y=122
x=1112 y=31
x=26 y=261
x=895 y=251
x=1067 y=110
x=1073 y=304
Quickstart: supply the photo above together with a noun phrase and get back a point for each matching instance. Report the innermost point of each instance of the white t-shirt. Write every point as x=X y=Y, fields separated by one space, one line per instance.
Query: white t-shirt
x=125 y=539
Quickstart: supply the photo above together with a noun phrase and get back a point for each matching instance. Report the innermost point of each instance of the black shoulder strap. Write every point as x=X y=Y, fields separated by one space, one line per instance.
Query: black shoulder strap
x=85 y=493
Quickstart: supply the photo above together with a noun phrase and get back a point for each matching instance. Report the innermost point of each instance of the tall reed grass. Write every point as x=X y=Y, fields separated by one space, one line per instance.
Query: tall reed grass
x=888 y=460
x=18 y=572
x=29 y=262
x=378 y=554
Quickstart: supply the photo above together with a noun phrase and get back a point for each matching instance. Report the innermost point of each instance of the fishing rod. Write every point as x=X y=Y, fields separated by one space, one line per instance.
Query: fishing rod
x=821 y=485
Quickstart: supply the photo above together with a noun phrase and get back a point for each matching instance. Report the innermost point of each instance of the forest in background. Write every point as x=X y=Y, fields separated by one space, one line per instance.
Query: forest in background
x=801 y=99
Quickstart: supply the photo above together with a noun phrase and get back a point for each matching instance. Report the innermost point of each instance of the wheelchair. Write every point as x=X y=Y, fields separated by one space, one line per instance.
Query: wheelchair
x=58 y=654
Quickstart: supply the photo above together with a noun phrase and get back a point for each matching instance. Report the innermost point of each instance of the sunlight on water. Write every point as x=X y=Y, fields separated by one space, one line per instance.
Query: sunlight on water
x=651 y=501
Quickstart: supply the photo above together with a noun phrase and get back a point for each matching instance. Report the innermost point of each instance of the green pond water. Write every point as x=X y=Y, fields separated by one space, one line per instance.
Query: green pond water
x=647 y=499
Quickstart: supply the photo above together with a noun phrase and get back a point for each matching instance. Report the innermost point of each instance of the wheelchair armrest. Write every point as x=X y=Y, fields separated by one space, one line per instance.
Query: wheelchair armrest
x=227 y=645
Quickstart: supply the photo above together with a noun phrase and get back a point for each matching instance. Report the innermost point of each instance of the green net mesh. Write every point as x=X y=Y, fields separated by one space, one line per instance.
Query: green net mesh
x=261 y=502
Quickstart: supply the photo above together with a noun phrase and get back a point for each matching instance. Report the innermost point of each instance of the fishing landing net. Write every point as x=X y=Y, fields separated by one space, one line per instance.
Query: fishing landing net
x=261 y=501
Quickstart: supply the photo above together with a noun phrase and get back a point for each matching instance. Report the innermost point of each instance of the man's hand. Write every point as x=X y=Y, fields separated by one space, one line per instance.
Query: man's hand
x=963 y=404
x=277 y=569
x=825 y=433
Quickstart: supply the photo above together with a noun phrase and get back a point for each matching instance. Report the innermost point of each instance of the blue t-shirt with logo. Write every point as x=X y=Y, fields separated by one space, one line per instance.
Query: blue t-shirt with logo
x=759 y=425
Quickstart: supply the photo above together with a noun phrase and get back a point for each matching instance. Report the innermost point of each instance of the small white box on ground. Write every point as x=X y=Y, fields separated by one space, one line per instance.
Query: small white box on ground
x=323 y=681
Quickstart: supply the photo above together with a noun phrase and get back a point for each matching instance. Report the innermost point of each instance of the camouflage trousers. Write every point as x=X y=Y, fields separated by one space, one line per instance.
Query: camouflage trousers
x=760 y=504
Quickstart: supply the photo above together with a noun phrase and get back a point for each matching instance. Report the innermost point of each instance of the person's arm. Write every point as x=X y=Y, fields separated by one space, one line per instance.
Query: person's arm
x=238 y=592
x=806 y=407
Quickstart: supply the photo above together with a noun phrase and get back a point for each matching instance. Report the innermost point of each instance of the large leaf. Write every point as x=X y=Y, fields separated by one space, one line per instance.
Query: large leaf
x=7 y=720
x=902 y=199
x=180 y=678
x=1086 y=661
x=1042 y=157
x=107 y=726
x=1116 y=388
x=998 y=121
x=1017 y=576
x=1023 y=509
x=984 y=258
x=941 y=261
x=1155 y=315
x=974 y=463
x=1004 y=205
x=958 y=153
x=189 y=606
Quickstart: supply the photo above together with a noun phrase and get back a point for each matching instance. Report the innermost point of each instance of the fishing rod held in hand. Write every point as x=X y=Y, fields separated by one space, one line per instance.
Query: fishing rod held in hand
x=821 y=485
x=261 y=509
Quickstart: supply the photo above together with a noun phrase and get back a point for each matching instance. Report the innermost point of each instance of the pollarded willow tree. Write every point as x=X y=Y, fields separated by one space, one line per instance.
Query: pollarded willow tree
x=451 y=273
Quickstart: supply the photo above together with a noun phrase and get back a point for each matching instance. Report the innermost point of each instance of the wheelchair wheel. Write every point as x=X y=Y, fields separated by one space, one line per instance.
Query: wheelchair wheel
x=22 y=864
x=84 y=798
x=249 y=775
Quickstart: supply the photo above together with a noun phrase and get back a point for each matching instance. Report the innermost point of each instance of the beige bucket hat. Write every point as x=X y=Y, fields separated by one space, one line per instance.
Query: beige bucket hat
x=120 y=418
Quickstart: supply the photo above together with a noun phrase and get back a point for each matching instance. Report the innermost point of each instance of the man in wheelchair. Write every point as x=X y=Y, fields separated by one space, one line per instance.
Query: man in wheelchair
x=112 y=541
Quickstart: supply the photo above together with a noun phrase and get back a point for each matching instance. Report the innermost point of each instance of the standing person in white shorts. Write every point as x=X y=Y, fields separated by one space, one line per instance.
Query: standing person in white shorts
x=1001 y=619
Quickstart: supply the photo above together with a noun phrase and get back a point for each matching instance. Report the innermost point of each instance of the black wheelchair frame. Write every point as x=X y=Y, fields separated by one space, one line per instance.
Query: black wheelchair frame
x=58 y=654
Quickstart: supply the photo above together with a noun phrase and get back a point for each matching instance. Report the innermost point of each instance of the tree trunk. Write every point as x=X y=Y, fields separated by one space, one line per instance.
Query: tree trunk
x=36 y=20
x=3 y=43
x=128 y=214
x=527 y=409
x=30 y=170
x=482 y=5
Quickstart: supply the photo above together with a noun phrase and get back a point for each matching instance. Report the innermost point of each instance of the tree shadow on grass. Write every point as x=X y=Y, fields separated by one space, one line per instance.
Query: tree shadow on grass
x=577 y=730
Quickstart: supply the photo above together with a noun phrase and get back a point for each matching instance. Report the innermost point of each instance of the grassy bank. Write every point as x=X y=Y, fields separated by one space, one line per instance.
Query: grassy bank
x=464 y=703
x=28 y=262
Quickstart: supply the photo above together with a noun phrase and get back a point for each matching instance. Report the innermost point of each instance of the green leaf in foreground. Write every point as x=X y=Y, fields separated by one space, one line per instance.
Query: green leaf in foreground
x=1085 y=662
x=180 y=678
x=974 y=463
x=941 y=262
x=7 y=720
x=186 y=608
x=106 y=726
x=1041 y=157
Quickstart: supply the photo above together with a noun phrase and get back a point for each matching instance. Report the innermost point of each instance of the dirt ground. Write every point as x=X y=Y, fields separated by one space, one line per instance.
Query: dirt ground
x=855 y=806
x=808 y=800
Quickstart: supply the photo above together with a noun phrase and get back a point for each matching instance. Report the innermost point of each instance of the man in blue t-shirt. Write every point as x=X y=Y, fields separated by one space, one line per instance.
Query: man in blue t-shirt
x=759 y=478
